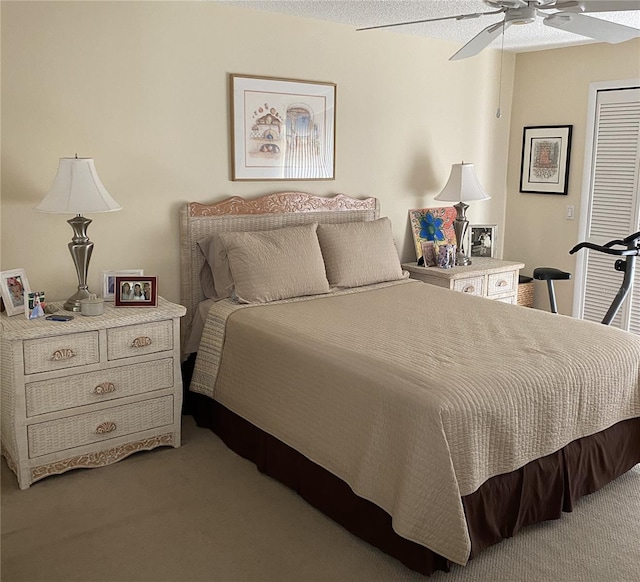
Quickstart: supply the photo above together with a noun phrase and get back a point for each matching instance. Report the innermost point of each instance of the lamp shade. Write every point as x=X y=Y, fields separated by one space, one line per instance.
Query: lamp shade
x=463 y=185
x=77 y=189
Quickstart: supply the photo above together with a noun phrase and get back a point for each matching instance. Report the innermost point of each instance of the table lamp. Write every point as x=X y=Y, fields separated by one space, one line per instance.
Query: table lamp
x=77 y=189
x=463 y=186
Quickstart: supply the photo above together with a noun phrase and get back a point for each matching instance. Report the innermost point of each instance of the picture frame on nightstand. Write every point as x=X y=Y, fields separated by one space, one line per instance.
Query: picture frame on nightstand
x=133 y=291
x=109 y=281
x=481 y=240
x=13 y=286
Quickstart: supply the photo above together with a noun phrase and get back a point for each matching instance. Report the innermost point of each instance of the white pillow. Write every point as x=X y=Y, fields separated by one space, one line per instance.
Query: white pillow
x=275 y=264
x=359 y=253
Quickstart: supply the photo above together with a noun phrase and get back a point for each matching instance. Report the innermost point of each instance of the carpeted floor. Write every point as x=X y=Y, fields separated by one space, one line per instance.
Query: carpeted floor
x=201 y=513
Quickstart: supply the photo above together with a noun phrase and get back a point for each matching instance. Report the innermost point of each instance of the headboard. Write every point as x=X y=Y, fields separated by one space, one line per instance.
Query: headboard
x=197 y=221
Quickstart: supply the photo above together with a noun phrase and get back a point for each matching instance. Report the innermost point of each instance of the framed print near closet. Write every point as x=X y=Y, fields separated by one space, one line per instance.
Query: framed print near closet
x=546 y=152
x=282 y=129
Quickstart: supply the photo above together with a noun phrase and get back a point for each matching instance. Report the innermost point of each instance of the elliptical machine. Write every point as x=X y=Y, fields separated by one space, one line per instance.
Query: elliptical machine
x=626 y=265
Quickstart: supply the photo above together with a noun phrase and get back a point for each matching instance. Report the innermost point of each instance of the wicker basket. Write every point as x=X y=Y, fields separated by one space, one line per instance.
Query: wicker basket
x=525 y=291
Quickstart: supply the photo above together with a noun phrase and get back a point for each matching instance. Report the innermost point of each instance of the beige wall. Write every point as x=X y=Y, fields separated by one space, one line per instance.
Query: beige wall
x=142 y=88
x=552 y=88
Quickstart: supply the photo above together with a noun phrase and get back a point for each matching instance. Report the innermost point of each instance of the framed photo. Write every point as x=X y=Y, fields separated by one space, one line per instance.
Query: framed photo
x=131 y=291
x=546 y=151
x=482 y=240
x=282 y=129
x=34 y=304
x=429 y=253
x=109 y=281
x=432 y=224
x=13 y=286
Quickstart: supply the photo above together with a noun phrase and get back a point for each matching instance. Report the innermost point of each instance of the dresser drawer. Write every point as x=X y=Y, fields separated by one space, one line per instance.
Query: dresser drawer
x=499 y=283
x=136 y=340
x=470 y=285
x=61 y=351
x=84 y=429
x=70 y=391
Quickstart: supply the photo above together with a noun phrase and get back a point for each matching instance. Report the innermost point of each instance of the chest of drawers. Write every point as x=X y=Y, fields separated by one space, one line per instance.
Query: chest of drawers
x=486 y=277
x=91 y=391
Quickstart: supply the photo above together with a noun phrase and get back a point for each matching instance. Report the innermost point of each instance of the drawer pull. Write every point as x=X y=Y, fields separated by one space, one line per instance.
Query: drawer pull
x=469 y=289
x=104 y=388
x=106 y=427
x=141 y=342
x=63 y=354
x=502 y=283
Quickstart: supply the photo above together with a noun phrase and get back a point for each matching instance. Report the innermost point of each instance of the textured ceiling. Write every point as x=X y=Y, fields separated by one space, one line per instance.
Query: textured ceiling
x=362 y=13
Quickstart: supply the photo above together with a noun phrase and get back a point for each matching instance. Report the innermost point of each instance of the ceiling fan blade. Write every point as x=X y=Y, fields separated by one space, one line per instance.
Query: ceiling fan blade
x=458 y=17
x=595 y=28
x=480 y=41
x=595 y=5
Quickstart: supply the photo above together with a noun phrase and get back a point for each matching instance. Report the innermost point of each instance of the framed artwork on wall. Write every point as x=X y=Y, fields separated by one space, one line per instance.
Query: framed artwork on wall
x=13 y=286
x=546 y=152
x=282 y=129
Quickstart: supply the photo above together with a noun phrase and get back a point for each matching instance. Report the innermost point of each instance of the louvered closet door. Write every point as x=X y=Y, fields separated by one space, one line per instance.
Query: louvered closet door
x=614 y=204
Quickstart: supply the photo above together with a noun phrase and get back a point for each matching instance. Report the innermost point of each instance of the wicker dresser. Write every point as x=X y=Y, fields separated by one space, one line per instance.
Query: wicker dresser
x=485 y=277
x=89 y=392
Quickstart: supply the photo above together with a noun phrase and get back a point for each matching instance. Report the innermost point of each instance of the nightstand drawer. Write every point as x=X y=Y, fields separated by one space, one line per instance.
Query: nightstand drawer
x=470 y=285
x=84 y=429
x=136 y=340
x=499 y=283
x=82 y=389
x=61 y=351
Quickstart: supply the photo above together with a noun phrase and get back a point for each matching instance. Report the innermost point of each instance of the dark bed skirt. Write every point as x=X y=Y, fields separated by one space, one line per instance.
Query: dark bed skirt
x=539 y=491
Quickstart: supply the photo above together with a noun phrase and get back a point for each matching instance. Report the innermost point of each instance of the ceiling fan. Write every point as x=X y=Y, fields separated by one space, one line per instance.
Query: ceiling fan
x=562 y=14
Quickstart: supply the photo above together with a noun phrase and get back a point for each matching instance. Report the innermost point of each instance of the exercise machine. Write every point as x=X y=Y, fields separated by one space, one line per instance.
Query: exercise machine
x=630 y=251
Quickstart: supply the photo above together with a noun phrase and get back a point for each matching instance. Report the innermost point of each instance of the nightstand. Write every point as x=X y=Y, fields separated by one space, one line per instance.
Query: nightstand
x=91 y=391
x=485 y=277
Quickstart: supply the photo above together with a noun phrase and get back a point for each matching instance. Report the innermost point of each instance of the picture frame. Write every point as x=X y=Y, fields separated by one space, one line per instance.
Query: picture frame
x=432 y=224
x=481 y=240
x=34 y=304
x=109 y=281
x=13 y=285
x=546 y=153
x=282 y=129
x=134 y=291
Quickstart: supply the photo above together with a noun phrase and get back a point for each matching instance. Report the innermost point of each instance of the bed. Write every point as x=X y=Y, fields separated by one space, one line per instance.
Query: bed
x=322 y=363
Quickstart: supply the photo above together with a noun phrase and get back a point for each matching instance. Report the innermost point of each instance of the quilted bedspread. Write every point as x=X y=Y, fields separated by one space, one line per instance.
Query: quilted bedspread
x=415 y=395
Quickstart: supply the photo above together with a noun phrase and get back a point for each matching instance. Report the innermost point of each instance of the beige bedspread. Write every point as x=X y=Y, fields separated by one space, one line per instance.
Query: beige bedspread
x=415 y=395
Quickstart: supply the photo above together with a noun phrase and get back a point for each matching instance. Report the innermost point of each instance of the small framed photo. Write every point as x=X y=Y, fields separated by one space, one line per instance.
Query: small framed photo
x=546 y=152
x=131 y=291
x=13 y=286
x=482 y=240
x=34 y=304
x=109 y=281
x=429 y=253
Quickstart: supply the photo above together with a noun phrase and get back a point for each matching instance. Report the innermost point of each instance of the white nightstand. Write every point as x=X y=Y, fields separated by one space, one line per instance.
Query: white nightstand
x=91 y=391
x=485 y=277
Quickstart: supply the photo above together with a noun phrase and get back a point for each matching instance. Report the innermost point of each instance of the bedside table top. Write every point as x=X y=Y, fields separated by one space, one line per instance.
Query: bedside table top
x=19 y=327
x=479 y=266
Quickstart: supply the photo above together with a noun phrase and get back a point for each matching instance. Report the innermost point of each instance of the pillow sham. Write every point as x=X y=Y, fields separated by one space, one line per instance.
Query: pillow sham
x=359 y=253
x=275 y=264
x=215 y=276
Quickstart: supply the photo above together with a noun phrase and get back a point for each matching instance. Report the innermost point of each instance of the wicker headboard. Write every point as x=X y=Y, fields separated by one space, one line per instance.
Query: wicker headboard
x=197 y=221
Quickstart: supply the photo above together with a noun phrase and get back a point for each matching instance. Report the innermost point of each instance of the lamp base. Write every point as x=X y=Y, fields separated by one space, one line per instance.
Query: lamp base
x=462 y=260
x=73 y=303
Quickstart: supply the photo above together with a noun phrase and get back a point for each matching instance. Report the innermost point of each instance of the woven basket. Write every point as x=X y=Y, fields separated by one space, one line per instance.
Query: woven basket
x=525 y=292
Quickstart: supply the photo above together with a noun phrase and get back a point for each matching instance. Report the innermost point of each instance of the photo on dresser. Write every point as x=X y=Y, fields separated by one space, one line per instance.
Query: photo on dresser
x=131 y=291
x=34 y=305
x=13 y=286
x=109 y=281
x=482 y=240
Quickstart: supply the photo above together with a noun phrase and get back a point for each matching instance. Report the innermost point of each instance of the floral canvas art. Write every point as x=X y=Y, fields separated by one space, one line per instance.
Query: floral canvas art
x=432 y=224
